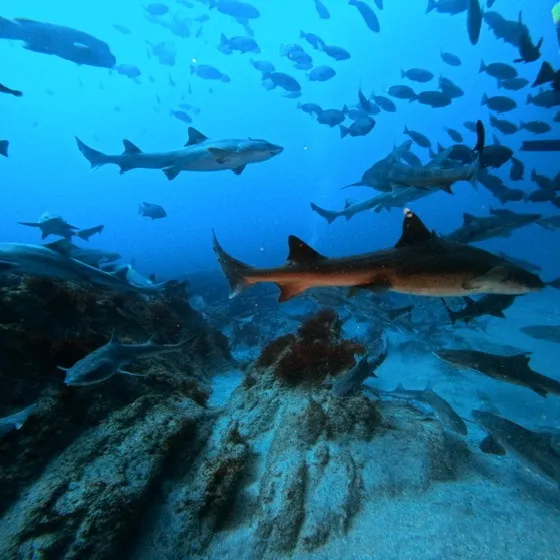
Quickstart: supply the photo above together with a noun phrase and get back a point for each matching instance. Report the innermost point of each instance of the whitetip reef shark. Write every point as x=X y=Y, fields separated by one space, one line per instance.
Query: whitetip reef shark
x=199 y=154
x=421 y=263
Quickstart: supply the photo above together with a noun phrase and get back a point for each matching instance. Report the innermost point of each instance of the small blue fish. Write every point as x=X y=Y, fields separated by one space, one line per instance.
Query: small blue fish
x=181 y=115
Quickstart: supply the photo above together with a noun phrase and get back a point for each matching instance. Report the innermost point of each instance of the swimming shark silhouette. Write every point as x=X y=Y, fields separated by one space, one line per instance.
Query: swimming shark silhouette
x=198 y=154
x=421 y=263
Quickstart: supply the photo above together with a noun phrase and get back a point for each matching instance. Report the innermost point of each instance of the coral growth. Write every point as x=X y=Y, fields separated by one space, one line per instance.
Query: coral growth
x=315 y=352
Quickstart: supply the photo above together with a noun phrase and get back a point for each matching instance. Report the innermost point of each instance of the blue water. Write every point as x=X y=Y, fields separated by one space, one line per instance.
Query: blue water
x=254 y=213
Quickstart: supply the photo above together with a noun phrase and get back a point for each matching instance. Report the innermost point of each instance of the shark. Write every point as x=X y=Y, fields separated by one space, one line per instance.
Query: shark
x=54 y=261
x=490 y=304
x=427 y=397
x=198 y=154
x=511 y=369
x=52 y=225
x=351 y=381
x=537 y=450
x=109 y=359
x=92 y=257
x=421 y=263
x=387 y=200
x=500 y=223
x=17 y=420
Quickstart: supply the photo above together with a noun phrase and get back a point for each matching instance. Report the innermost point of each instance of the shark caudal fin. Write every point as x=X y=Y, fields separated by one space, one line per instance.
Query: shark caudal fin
x=329 y=215
x=4 y=145
x=235 y=271
x=96 y=159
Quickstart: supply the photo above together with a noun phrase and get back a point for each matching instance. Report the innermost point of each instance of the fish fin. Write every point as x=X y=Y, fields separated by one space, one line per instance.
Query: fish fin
x=130 y=148
x=301 y=252
x=221 y=156
x=95 y=157
x=400 y=387
x=195 y=137
x=289 y=291
x=499 y=314
x=124 y=168
x=379 y=287
x=172 y=172
x=4 y=145
x=62 y=246
x=495 y=274
x=491 y=446
x=239 y=170
x=453 y=315
x=413 y=230
x=62 y=368
x=236 y=271
x=30 y=224
x=540 y=391
x=121 y=272
x=329 y=215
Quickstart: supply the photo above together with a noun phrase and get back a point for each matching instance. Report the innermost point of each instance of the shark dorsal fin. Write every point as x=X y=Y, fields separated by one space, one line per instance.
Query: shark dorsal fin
x=523 y=358
x=130 y=148
x=467 y=218
x=413 y=230
x=195 y=137
x=62 y=246
x=121 y=272
x=301 y=252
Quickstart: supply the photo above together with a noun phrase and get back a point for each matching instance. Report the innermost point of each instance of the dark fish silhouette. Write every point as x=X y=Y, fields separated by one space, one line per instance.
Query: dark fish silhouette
x=420 y=263
x=511 y=369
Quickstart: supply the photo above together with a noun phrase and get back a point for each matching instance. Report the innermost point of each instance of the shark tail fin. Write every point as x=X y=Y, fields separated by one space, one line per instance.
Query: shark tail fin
x=4 y=145
x=96 y=159
x=329 y=215
x=452 y=314
x=236 y=272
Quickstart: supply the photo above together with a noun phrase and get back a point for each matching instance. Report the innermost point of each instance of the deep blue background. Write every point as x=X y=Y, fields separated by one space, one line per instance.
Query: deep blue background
x=253 y=213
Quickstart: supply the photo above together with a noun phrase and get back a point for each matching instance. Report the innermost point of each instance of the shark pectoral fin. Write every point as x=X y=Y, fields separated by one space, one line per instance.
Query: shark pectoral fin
x=130 y=148
x=221 y=156
x=495 y=275
x=288 y=291
x=239 y=170
x=540 y=391
x=35 y=224
x=499 y=314
x=172 y=172
x=62 y=368
x=123 y=372
x=378 y=286
x=124 y=168
x=491 y=446
x=6 y=266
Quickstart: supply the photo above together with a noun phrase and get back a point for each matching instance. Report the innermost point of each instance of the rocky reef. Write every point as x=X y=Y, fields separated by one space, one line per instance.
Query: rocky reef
x=77 y=475
x=143 y=469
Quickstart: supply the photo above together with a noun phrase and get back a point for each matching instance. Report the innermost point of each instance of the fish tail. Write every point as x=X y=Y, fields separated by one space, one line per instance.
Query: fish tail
x=452 y=314
x=96 y=159
x=235 y=271
x=329 y=215
x=4 y=144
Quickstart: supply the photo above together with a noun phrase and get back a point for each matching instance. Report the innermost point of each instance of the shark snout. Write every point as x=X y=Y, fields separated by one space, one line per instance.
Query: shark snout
x=275 y=150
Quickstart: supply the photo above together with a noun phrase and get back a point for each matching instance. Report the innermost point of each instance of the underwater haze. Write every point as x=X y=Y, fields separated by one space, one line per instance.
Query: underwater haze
x=378 y=166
